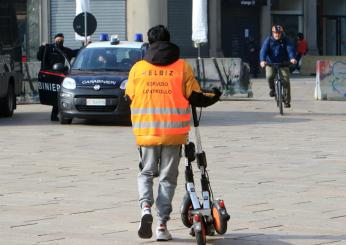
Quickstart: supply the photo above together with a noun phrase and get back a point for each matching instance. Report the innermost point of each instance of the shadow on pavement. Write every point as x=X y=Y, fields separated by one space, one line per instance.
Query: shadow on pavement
x=175 y=240
x=104 y=122
x=43 y=119
x=209 y=118
x=318 y=114
x=272 y=239
x=26 y=119
x=235 y=118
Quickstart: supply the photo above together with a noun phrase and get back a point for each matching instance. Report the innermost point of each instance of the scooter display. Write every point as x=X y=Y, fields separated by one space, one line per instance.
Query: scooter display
x=208 y=215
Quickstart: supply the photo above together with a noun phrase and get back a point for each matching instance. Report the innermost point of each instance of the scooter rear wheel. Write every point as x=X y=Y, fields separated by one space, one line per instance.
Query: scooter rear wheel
x=220 y=224
x=185 y=208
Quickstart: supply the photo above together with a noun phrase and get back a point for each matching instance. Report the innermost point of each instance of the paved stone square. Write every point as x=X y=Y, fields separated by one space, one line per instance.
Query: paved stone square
x=283 y=178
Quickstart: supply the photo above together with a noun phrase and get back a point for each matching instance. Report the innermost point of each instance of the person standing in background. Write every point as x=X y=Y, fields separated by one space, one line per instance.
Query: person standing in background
x=252 y=56
x=302 y=49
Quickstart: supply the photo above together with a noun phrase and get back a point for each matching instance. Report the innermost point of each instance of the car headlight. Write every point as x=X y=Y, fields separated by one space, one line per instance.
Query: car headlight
x=123 y=84
x=69 y=83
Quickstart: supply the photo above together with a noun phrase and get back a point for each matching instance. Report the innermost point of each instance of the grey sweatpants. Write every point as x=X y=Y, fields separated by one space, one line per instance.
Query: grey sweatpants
x=162 y=161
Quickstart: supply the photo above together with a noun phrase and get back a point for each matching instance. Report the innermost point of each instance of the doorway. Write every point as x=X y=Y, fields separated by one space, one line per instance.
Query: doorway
x=239 y=24
x=334 y=35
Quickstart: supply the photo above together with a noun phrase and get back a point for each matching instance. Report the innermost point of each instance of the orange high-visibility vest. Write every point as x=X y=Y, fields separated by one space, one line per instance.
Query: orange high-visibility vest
x=159 y=106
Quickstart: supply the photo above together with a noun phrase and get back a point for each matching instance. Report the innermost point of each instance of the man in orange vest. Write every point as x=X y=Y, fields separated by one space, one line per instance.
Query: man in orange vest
x=161 y=88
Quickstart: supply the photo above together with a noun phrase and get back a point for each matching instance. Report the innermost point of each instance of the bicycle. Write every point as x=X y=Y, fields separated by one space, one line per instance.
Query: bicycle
x=280 y=90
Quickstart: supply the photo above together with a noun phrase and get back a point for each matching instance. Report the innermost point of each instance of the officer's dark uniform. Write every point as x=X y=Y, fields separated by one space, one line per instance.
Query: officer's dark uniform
x=51 y=54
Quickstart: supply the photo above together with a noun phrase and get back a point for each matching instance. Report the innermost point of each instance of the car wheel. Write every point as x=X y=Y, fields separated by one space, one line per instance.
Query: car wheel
x=8 y=103
x=64 y=120
x=124 y=120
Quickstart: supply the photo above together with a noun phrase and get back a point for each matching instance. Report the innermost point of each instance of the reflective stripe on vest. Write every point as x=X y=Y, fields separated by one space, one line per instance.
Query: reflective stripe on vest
x=159 y=106
x=160 y=124
x=178 y=111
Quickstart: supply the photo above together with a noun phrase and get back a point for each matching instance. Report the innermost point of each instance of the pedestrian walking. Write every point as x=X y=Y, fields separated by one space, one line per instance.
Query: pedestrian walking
x=161 y=88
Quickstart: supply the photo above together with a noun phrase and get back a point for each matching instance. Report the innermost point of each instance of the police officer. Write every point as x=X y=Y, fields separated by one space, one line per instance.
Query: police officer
x=50 y=54
x=161 y=88
x=56 y=52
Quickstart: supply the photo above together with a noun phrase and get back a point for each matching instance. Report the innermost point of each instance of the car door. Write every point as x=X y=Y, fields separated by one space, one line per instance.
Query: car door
x=3 y=88
x=49 y=80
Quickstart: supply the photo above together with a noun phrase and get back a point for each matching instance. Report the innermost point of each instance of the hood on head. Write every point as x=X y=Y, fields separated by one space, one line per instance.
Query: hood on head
x=162 y=53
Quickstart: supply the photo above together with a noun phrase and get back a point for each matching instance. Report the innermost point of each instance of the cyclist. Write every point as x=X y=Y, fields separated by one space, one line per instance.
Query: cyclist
x=278 y=49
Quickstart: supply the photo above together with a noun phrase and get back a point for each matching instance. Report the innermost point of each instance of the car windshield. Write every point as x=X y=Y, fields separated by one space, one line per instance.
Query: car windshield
x=106 y=59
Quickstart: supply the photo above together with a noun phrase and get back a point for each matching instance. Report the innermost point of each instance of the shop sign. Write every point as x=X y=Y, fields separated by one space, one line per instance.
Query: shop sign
x=249 y=3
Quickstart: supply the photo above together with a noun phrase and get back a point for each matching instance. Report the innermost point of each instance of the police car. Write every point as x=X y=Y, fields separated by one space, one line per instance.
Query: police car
x=95 y=85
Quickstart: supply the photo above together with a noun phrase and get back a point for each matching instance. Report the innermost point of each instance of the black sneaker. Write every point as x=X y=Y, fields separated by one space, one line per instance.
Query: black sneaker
x=145 y=230
x=272 y=93
x=287 y=105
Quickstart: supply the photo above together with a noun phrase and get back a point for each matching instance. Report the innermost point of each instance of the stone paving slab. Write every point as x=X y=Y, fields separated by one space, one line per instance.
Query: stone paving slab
x=283 y=177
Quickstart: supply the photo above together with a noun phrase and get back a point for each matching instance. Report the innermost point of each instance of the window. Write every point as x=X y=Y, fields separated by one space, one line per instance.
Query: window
x=289 y=14
x=110 y=59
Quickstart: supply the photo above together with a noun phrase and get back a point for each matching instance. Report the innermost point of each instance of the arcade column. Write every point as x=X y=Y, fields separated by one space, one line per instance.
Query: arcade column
x=143 y=14
x=215 y=48
x=310 y=25
x=33 y=25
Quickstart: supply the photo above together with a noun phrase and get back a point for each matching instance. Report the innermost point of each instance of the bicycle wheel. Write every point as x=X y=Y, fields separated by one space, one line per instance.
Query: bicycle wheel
x=185 y=209
x=201 y=236
x=276 y=93
x=279 y=97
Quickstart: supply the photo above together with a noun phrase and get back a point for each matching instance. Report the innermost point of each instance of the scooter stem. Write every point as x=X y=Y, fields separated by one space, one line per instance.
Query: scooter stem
x=194 y=116
x=197 y=134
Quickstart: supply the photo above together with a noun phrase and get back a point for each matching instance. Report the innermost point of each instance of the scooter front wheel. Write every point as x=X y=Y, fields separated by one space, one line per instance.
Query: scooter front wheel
x=185 y=211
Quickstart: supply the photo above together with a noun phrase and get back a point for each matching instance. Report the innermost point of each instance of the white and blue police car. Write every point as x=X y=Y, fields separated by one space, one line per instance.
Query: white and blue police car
x=95 y=85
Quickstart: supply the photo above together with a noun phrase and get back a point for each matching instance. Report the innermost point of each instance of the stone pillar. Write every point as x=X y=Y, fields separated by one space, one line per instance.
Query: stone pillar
x=45 y=22
x=143 y=14
x=310 y=25
x=215 y=49
x=33 y=28
x=265 y=21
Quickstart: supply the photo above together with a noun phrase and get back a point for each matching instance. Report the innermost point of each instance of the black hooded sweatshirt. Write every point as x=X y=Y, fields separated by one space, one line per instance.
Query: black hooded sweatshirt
x=165 y=53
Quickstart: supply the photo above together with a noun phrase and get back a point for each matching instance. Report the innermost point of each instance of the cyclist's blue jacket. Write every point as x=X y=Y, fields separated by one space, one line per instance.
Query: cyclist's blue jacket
x=277 y=51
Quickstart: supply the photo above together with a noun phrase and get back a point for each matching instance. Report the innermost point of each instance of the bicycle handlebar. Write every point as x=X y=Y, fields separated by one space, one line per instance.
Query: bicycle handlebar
x=278 y=65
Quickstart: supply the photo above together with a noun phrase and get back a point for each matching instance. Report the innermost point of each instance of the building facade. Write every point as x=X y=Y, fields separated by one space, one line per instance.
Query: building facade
x=40 y=20
x=232 y=23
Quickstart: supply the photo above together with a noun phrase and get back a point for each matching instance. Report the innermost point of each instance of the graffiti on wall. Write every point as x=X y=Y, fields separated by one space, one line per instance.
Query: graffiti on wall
x=29 y=93
x=330 y=80
x=230 y=75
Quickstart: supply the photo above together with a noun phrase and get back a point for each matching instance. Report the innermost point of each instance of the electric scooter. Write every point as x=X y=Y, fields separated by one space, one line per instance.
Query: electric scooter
x=209 y=215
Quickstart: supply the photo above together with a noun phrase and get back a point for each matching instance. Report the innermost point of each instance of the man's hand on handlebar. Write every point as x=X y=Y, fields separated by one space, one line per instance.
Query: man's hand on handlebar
x=263 y=64
x=293 y=61
x=217 y=92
